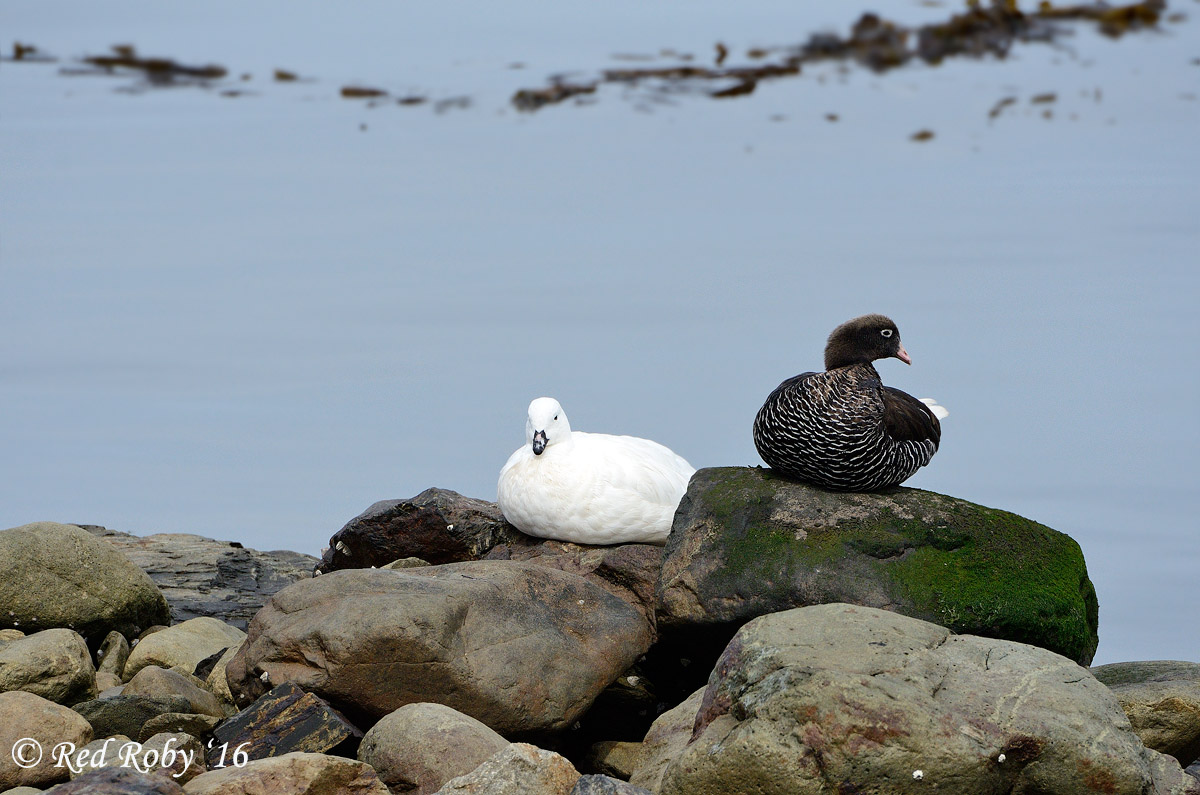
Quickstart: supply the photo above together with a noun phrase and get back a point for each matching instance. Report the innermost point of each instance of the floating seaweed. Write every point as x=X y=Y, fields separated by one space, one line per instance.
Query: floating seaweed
x=362 y=92
x=157 y=71
x=877 y=43
x=999 y=107
x=922 y=135
x=29 y=53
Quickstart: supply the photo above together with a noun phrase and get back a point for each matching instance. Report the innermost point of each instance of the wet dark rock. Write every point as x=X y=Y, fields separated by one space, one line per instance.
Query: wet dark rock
x=437 y=526
x=284 y=720
x=203 y=577
x=746 y=542
x=517 y=646
x=126 y=714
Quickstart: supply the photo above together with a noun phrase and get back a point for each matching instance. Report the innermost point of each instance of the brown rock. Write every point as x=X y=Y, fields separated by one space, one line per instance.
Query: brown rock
x=113 y=653
x=55 y=664
x=173 y=755
x=438 y=526
x=106 y=752
x=517 y=646
x=184 y=645
x=667 y=738
x=298 y=773
x=627 y=571
x=284 y=720
x=1162 y=700
x=118 y=781
x=160 y=683
x=25 y=716
x=420 y=747
x=519 y=769
x=614 y=758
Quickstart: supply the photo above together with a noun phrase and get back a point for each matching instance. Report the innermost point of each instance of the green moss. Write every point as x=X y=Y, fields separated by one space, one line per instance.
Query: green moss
x=970 y=568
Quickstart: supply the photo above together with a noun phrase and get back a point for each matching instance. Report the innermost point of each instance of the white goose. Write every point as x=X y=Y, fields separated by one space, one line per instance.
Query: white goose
x=590 y=488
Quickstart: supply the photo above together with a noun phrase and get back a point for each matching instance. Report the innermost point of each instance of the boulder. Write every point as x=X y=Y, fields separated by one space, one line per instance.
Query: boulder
x=437 y=526
x=517 y=646
x=55 y=664
x=291 y=774
x=30 y=728
x=627 y=571
x=198 y=726
x=1162 y=700
x=842 y=698
x=203 y=577
x=407 y=563
x=604 y=785
x=126 y=714
x=420 y=747
x=160 y=683
x=667 y=738
x=118 y=781
x=747 y=542
x=106 y=682
x=22 y=791
x=57 y=575
x=112 y=654
x=182 y=645
x=519 y=769
x=284 y=720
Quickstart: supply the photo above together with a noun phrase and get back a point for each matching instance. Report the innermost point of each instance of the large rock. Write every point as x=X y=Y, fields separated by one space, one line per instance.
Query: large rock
x=437 y=525
x=291 y=774
x=57 y=575
x=284 y=720
x=746 y=542
x=840 y=698
x=183 y=645
x=112 y=654
x=668 y=736
x=420 y=747
x=203 y=577
x=30 y=728
x=1162 y=700
x=517 y=646
x=519 y=769
x=55 y=664
x=627 y=571
x=160 y=683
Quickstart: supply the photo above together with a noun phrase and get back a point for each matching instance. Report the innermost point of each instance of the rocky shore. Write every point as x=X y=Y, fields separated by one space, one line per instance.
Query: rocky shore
x=785 y=640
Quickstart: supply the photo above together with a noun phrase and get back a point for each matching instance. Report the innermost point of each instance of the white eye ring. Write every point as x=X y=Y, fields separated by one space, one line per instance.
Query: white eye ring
x=887 y=332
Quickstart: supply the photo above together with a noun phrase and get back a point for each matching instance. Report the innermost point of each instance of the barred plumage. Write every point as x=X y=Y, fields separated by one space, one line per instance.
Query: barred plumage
x=843 y=429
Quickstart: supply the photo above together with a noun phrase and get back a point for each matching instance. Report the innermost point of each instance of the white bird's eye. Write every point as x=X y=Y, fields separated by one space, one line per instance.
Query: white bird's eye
x=887 y=332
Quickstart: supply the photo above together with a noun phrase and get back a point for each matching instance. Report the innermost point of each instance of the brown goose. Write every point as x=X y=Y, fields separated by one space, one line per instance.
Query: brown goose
x=843 y=429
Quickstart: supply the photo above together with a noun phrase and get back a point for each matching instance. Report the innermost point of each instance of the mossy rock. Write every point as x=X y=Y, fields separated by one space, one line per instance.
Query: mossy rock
x=746 y=542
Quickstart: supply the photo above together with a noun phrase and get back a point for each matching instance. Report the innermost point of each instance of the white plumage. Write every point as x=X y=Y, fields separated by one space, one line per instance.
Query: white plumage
x=938 y=410
x=590 y=488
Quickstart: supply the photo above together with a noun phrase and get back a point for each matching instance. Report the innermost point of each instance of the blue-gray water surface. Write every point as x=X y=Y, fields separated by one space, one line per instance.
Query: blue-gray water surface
x=251 y=316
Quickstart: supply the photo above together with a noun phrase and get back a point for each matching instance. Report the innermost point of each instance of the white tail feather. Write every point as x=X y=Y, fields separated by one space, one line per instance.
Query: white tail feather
x=938 y=411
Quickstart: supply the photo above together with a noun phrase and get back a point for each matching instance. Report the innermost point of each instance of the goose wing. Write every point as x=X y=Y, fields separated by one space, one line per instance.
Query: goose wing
x=908 y=419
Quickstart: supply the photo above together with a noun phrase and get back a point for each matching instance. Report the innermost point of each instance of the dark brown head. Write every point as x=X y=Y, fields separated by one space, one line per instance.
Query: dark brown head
x=863 y=340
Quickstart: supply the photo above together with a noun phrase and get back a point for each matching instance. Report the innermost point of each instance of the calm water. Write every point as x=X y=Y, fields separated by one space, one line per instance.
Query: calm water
x=251 y=317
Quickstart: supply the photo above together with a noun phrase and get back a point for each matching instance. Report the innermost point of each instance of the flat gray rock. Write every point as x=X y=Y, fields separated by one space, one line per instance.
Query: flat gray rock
x=203 y=577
